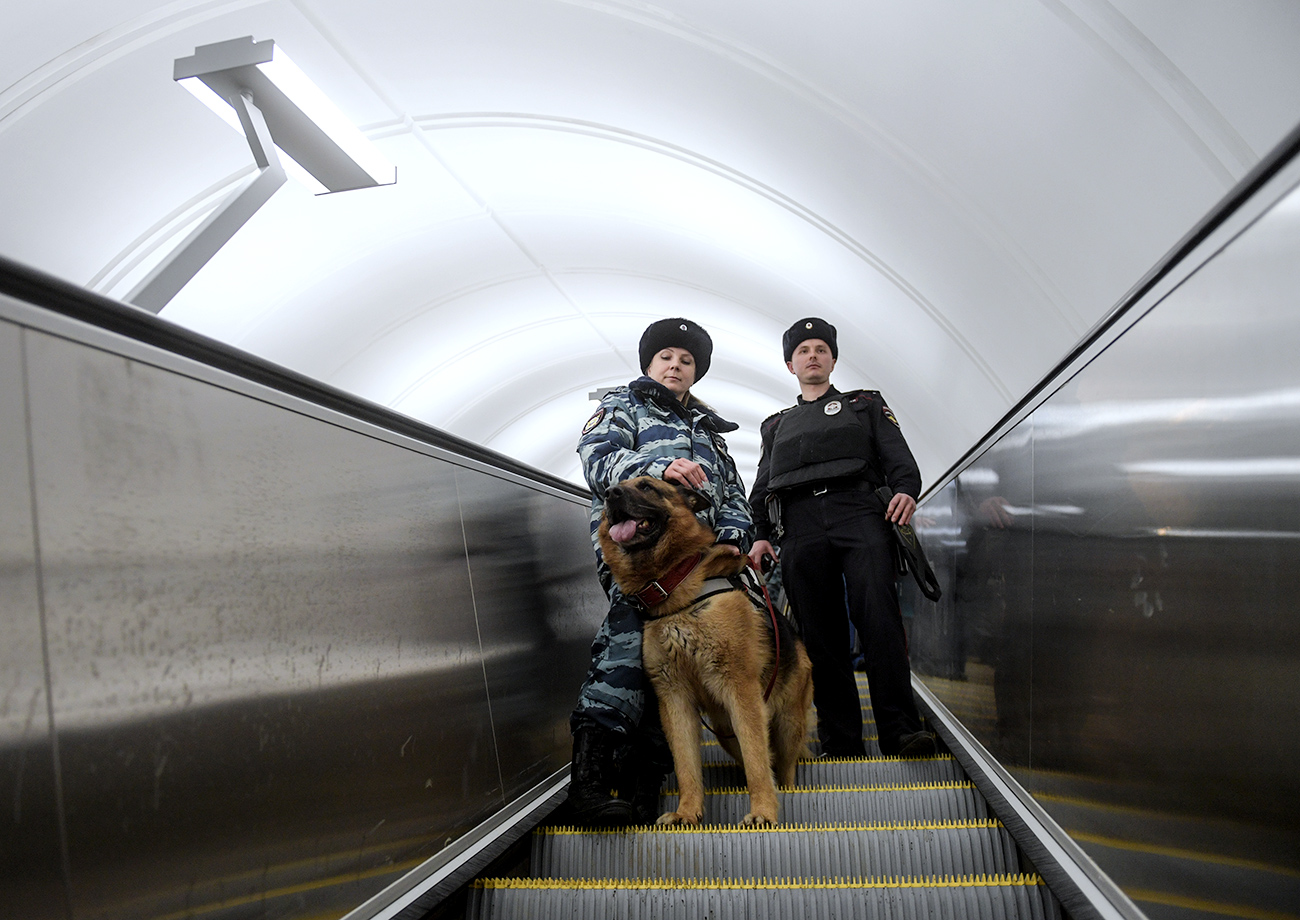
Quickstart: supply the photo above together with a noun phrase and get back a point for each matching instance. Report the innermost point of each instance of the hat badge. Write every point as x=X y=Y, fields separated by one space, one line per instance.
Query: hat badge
x=807 y=325
x=683 y=327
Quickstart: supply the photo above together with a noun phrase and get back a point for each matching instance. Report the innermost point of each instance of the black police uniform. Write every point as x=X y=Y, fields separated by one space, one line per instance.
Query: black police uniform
x=823 y=460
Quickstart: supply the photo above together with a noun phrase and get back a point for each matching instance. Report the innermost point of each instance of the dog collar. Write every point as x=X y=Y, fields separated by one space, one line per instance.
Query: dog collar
x=658 y=590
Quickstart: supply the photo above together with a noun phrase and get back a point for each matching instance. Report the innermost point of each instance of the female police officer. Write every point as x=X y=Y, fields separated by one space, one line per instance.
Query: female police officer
x=651 y=427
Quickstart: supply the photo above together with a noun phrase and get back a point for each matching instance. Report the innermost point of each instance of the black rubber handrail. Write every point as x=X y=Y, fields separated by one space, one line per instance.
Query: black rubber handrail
x=48 y=292
x=1286 y=150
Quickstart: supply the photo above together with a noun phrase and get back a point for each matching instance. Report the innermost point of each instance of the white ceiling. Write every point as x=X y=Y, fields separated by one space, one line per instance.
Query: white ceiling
x=962 y=188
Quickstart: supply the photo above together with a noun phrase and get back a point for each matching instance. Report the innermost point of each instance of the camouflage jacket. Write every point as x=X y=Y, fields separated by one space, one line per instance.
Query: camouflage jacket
x=641 y=428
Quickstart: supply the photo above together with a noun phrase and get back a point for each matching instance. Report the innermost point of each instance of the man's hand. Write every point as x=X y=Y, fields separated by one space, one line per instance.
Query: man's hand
x=760 y=549
x=687 y=472
x=900 y=509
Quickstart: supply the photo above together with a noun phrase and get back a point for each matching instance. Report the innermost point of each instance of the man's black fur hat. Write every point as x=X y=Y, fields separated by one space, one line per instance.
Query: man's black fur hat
x=810 y=327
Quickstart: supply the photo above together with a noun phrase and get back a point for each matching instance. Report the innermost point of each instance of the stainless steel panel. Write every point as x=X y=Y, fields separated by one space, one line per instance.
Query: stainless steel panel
x=983 y=522
x=1159 y=711
x=267 y=682
x=31 y=875
x=539 y=606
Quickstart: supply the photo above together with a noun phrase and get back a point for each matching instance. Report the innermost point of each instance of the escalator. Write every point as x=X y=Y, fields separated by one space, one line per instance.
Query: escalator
x=866 y=837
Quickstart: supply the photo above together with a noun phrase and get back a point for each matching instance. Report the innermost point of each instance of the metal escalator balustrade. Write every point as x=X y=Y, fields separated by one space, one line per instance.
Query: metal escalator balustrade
x=860 y=837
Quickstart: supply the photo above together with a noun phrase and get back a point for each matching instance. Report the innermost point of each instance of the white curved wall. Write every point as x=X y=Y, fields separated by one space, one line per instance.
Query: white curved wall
x=962 y=189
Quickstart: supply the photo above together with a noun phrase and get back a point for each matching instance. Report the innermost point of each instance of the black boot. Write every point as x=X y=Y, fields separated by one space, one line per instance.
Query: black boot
x=644 y=780
x=592 y=798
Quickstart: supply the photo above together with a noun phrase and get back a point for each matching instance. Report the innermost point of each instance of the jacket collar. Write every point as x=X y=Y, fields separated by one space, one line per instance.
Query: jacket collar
x=649 y=388
x=831 y=392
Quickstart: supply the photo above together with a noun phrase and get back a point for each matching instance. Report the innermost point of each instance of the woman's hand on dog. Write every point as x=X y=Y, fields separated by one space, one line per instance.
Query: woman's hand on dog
x=687 y=472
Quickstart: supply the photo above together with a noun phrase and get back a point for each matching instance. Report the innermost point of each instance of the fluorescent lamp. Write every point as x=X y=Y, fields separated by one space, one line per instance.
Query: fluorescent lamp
x=305 y=125
x=291 y=128
x=305 y=94
x=223 y=110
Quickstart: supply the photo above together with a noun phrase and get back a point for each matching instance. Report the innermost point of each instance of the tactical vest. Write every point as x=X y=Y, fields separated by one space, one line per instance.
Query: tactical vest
x=810 y=445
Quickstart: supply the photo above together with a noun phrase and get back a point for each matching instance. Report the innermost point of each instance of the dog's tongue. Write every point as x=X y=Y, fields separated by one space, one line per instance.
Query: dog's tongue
x=622 y=531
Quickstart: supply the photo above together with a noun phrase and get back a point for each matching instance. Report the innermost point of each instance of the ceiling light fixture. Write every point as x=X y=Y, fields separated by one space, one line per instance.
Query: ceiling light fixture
x=254 y=87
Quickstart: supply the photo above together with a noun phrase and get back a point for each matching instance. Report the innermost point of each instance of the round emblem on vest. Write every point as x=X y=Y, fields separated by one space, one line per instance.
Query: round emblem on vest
x=833 y=407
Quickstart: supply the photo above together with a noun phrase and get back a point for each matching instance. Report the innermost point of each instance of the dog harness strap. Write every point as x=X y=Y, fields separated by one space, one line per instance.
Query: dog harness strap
x=711 y=587
x=657 y=591
x=776 y=632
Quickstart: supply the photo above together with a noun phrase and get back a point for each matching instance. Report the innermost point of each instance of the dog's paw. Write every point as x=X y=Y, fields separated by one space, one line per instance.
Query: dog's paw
x=759 y=819
x=673 y=817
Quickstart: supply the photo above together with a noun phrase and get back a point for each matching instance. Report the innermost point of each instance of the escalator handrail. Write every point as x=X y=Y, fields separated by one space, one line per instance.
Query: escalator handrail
x=45 y=291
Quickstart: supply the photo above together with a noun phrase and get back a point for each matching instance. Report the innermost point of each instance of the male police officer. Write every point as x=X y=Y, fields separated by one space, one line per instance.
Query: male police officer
x=822 y=461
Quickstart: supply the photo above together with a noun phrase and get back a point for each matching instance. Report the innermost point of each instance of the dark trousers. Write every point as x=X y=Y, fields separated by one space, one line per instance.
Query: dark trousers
x=838 y=547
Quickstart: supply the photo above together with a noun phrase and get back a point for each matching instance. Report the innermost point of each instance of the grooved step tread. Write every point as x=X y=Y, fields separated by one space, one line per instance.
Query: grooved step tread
x=993 y=897
x=1021 y=880
x=891 y=849
x=848 y=804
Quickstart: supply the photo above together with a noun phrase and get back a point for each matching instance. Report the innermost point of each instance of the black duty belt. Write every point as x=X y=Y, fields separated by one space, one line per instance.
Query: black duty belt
x=822 y=488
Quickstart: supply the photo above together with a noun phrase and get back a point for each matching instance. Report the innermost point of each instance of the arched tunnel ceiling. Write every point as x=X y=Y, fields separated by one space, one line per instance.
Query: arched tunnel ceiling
x=962 y=188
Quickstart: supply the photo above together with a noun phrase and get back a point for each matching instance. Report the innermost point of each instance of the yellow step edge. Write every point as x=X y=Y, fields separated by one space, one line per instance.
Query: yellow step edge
x=718 y=764
x=805 y=790
x=763 y=884
x=705 y=744
x=878 y=826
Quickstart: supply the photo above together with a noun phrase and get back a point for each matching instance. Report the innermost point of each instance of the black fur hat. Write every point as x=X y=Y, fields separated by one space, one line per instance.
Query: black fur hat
x=677 y=333
x=810 y=327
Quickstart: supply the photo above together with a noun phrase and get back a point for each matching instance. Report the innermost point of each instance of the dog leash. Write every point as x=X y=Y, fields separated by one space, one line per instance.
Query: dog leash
x=776 y=632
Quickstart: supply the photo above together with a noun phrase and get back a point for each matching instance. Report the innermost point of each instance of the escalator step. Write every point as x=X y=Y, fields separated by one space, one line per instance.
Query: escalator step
x=819 y=851
x=853 y=804
x=855 y=771
x=712 y=752
x=1007 y=897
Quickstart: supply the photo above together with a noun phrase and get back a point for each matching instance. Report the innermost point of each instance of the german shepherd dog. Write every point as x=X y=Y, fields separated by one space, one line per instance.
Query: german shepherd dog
x=714 y=657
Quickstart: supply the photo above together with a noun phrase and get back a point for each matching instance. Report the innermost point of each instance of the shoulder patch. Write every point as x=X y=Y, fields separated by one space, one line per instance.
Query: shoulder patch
x=596 y=419
x=889 y=414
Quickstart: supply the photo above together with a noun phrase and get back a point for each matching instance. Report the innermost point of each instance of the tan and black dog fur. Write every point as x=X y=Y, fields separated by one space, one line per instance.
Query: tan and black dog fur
x=715 y=657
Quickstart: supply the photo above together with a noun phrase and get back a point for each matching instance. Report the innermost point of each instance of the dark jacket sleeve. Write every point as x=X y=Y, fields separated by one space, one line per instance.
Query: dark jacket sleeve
x=901 y=472
x=758 y=494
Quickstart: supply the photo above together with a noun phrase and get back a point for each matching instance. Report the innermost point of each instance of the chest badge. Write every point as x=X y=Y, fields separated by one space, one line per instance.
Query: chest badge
x=833 y=407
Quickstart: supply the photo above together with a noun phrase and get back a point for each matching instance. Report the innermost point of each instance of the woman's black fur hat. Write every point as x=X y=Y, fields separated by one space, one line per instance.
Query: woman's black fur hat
x=677 y=333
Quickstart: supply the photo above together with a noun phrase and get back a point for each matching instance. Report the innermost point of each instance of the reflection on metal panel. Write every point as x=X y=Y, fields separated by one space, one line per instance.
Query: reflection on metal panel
x=1127 y=563
x=30 y=874
x=267 y=680
x=539 y=605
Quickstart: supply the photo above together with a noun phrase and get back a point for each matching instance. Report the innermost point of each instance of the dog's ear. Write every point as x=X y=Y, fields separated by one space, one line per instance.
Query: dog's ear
x=696 y=501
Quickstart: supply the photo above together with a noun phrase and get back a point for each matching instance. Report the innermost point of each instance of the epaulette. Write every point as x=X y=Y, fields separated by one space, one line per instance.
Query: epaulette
x=861 y=400
x=852 y=395
x=772 y=418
